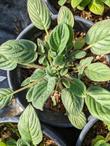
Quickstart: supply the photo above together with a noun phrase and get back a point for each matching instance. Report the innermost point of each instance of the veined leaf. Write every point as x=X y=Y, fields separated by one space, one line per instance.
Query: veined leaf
x=75 y=3
x=61 y=2
x=7 y=63
x=65 y=16
x=72 y=104
x=20 y=51
x=79 y=54
x=98 y=72
x=39 y=14
x=99 y=37
x=107 y=2
x=78 y=121
x=98 y=138
x=98 y=102
x=5 y=97
x=20 y=142
x=96 y=7
x=59 y=38
x=29 y=126
x=79 y=43
x=83 y=4
x=11 y=142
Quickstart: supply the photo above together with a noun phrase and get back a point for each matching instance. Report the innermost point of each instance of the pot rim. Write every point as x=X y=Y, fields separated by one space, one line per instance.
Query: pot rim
x=46 y=130
x=85 y=130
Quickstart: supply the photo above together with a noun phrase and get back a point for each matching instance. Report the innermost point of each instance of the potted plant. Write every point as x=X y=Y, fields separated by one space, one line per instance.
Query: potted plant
x=68 y=69
x=27 y=131
x=95 y=133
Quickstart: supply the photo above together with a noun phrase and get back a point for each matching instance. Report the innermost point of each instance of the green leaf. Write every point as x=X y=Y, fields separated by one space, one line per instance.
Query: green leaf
x=98 y=103
x=29 y=126
x=39 y=100
x=11 y=142
x=101 y=143
x=72 y=103
x=98 y=72
x=20 y=142
x=99 y=37
x=79 y=43
x=96 y=7
x=59 y=38
x=96 y=139
x=2 y=143
x=65 y=16
x=78 y=121
x=107 y=2
x=79 y=54
x=75 y=3
x=39 y=14
x=7 y=63
x=83 y=4
x=19 y=51
x=5 y=97
x=61 y=2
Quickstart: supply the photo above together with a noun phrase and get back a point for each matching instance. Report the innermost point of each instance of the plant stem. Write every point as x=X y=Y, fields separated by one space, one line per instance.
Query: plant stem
x=33 y=66
x=88 y=47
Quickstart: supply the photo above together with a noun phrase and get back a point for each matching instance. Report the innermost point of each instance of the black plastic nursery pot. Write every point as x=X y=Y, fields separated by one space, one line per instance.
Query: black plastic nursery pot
x=15 y=77
x=53 y=6
x=85 y=131
x=47 y=131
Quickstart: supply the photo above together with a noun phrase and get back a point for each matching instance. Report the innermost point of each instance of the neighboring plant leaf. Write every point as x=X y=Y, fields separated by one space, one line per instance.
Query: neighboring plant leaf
x=19 y=51
x=11 y=142
x=5 y=97
x=29 y=126
x=59 y=38
x=78 y=121
x=65 y=16
x=98 y=72
x=2 y=78
x=79 y=43
x=98 y=37
x=97 y=101
x=79 y=54
x=72 y=104
x=39 y=14
x=75 y=3
x=96 y=7
x=61 y=2
x=2 y=143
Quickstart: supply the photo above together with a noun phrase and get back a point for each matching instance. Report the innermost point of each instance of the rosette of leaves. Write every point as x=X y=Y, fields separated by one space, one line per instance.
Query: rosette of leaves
x=95 y=6
x=67 y=64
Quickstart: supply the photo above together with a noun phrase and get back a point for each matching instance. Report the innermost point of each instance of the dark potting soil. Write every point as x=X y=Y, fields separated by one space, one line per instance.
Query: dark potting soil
x=98 y=129
x=9 y=131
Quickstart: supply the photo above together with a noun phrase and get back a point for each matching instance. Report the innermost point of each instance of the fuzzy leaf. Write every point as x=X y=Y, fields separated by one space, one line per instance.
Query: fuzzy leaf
x=39 y=14
x=65 y=16
x=78 y=121
x=5 y=97
x=72 y=104
x=29 y=126
x=96 y=7
x=75 y=3
x=98 y=103
x=19 y=51
x=98 y=72
x=59 y=38
x=99 y=37
x=61 y=2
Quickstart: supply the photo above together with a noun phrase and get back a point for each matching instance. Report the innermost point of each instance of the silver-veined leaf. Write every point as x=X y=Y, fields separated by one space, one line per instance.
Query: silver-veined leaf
x=65 y=16
x=99 y=37
x=5 y=97
x=59 y=38
x=39 y=14
x=20 y=142
x=98 y=102
x=78 y=121
x=20 y=51
x=29 y=126
x=98 y=72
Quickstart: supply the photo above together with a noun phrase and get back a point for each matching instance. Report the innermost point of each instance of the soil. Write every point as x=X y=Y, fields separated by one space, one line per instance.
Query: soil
x=9 y=131
x=98 y=129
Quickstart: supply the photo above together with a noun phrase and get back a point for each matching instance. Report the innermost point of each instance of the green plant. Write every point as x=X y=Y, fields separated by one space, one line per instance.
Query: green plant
x=67 y=64
x=95 y=6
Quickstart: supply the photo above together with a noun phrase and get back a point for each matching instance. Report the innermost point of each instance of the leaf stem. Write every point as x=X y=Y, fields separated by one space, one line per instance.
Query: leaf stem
x=88 y=47
x=33 y=66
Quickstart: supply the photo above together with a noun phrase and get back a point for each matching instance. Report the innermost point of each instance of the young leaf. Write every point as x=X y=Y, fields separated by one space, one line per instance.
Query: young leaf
x=79 y=43
x=78 y=121
x=5 y=97
x=83 y=4
x=72 y=103
x=20 y=51
x=75 y=3
x=97 y=7
x=98 y=138
x=29 y=126
x=59 y=38
x=11 y=142
x=98 y=102
x=39 y=14
x=99 y=37
x=38 y=74
x=65 y=16
x=98 y=72
x=61 y=2
x=79 y=54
